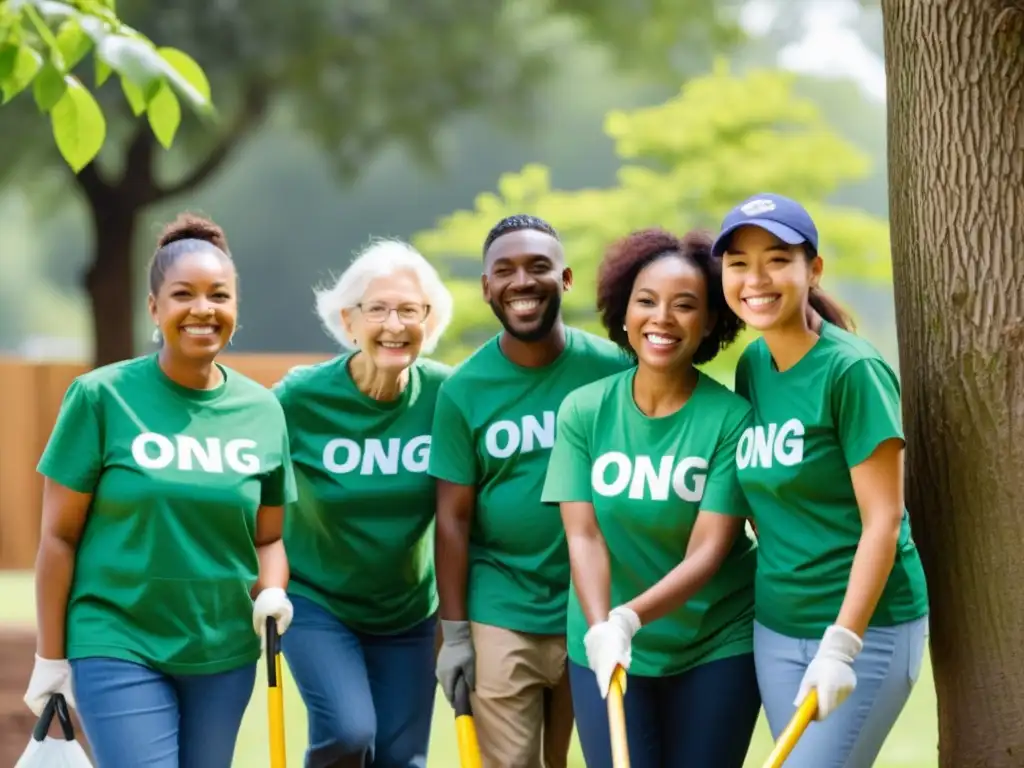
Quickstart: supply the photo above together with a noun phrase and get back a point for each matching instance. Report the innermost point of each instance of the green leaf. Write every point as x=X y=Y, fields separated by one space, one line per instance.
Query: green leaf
x=8 y=55
x=78 y=125
x=52 y=9
x=48 y=87
x=46 y=35
x=103 y=70
x=27 y=63
x=136 y=98
x=133 y=58
x=73 y=42
x=95 y=28
x=187 y=67
x=164 y=114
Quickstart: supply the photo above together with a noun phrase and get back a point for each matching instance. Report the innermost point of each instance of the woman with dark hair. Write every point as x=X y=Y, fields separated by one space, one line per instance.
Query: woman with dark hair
x=166 y=479
x=643 y=471
x=841 y=597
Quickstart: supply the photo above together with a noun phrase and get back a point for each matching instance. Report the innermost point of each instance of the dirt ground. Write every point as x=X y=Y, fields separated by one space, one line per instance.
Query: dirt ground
x=17 y=646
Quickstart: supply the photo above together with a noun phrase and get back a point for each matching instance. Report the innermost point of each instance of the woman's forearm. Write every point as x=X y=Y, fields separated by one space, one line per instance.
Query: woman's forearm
x=872 y=564
x=274 y=571
x=679 y=584
x=54 y=571
x=591 y=577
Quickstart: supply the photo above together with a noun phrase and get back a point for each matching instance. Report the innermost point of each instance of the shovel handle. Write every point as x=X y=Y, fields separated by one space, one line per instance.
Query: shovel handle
x=617 y=719
x=465 y=727
x=793 y=731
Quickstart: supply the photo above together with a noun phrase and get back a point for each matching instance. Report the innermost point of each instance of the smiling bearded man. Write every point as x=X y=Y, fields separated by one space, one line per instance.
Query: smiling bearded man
x=502 y=559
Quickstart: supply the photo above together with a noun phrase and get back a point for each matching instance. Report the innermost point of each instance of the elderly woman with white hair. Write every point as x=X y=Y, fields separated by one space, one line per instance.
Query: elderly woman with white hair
x=360 y=537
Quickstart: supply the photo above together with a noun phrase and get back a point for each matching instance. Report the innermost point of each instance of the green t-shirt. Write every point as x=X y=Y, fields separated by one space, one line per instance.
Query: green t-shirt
x=167 y=557
x=360 y=537
x=812 y=423
x=647 y=479
x=493 y=429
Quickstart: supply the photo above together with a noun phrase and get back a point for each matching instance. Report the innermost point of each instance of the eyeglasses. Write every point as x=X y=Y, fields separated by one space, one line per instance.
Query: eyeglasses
x=408 y=314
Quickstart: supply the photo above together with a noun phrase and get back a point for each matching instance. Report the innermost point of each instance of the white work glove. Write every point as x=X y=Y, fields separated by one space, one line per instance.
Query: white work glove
x=609 y=644
x=272 y=601
x=831 y=670
x=49 y=676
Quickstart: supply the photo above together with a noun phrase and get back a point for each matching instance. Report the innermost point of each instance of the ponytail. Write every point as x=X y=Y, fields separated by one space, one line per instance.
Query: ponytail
x=830 y=310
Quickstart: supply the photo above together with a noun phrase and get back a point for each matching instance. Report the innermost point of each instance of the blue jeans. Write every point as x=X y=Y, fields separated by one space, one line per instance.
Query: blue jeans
x=852 y=736
x=136 y=717
x=701 y=718
x=370 y=698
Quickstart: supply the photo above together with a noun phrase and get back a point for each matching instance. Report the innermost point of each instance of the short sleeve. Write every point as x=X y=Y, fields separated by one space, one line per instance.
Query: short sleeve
x=568 y=475
x=278 y=486
x=722 y=492
x=866 y=409
x=741 y=385
x=283 y=387
x=452 y=452
x=73 y=455
x=280 y=390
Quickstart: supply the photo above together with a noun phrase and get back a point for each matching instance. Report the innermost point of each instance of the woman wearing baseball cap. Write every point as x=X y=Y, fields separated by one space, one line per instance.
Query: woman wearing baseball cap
x=841 y=601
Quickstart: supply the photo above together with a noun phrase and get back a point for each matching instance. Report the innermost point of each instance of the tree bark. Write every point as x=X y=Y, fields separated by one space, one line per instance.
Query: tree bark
x=956 y=185
x=110 y=281
x=115 y=208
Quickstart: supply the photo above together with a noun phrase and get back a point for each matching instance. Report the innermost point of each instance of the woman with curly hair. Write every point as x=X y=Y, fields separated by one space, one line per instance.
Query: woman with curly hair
x=643 y=468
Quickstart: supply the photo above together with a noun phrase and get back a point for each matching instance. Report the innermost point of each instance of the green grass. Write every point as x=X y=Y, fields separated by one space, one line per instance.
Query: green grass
x=912 y=744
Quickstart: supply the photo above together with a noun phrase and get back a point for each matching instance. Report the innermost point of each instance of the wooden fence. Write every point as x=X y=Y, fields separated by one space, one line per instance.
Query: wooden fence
x=30 y=396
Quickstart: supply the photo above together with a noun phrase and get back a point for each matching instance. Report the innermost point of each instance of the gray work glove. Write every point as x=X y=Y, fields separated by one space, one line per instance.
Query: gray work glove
x=456 y=658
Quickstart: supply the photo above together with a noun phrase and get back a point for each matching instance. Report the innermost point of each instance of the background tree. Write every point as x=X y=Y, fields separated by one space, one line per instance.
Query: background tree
x=956 y=176
x=355 y=77
x=685 y=163
x=42 y=42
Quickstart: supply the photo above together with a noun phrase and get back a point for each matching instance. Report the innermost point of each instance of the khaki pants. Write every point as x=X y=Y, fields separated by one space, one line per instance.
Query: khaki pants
x=522 y=705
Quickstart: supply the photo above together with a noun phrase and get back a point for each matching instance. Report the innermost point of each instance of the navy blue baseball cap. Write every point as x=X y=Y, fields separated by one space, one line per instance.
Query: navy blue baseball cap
x=785 y=218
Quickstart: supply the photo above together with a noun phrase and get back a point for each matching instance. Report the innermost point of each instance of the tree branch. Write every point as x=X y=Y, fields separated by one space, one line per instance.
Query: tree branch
x=249 y=115
x=91 y=183
x=138 y=184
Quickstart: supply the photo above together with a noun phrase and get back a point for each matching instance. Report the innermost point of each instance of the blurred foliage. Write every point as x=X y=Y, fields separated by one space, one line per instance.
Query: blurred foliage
x=362 y=74
x=43 y=41
x=355 y=78
x=684 y=164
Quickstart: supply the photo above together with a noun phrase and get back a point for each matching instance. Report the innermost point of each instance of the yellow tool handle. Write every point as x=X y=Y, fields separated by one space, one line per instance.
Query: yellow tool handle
x=793 y=731
x=465 y=728
x=617 y=719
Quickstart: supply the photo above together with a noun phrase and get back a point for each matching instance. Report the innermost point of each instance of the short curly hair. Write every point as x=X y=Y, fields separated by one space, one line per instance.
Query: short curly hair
x=624 y=260
x=517 y=223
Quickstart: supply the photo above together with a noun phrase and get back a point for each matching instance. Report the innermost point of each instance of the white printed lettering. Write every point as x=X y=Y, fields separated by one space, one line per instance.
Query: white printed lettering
x=504 y=438
x=686 y=478
x=188 y=454
x=209 y=458
x=343 y=455
x=622 y=472
x=762 y=446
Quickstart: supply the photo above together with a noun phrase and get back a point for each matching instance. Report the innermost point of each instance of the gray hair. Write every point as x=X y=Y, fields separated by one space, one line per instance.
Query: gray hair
x=383 y=258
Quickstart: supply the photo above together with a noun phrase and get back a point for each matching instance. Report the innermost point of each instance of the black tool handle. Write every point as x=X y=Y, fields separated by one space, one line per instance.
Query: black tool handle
x=462 y=705
x=273 y=648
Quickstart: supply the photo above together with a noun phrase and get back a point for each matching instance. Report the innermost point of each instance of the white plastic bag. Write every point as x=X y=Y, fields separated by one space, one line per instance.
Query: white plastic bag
x=44 y=751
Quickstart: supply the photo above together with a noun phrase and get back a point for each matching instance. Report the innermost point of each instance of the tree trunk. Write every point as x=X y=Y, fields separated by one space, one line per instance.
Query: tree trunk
x=956 y=185
x=110 y=279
